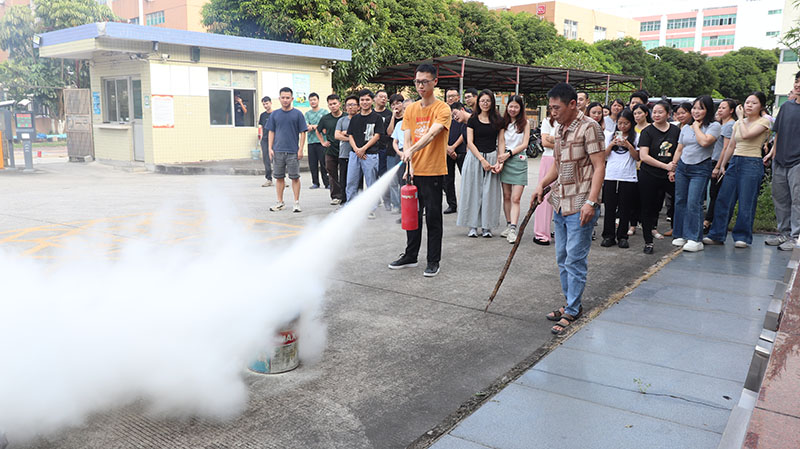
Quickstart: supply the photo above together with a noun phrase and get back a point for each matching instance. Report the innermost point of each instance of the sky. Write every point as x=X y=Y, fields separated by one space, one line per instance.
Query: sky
x=624 y=8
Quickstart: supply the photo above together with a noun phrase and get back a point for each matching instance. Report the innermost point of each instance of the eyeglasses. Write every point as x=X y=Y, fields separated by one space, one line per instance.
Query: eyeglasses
x=485 y=101
x=422 y=82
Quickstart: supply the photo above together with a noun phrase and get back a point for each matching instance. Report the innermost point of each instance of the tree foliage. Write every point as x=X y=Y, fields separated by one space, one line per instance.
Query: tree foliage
x=25 y=73
x=745 y=71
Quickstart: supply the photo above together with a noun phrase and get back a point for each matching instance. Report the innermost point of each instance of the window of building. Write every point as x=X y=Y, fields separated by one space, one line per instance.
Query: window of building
x=773 y=33
x=156 y=18
x=684 y=42
x=620 y=34
x=654 y=25
x=678 y=24
x=117 y=100
x=134 y=21
x=788 y=56
x=717 y=41
x=231 y=97
x=772 y=12
x=648 y=45
x=599 y=33
x=570 y=29
x=715 y=21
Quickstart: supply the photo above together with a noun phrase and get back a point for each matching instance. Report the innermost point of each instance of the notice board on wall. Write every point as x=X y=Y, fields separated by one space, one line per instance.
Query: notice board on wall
x=163 y=111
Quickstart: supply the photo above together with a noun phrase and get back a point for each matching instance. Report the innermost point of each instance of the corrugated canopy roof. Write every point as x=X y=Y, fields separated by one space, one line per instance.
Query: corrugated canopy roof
x=504 y=77
x=130 y=32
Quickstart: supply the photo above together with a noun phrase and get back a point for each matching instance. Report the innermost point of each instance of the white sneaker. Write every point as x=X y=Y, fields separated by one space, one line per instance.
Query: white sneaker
x=512 y=235
x=709 y=241
x=788 y=245
x=740 y=244
x=678 y=242
x=296 y=207
x=280 y=205
x=336 y=202
x=505 y=232
x=473 y=232
x=776 y=240
x=692 y=246
x=371 y=215
x=267 y=183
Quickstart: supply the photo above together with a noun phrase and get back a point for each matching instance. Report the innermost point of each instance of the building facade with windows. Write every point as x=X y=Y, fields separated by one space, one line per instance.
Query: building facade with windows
x=789 y=63
x=164 y=96
x=574 y=22
x=715 y=31
x=177 y=14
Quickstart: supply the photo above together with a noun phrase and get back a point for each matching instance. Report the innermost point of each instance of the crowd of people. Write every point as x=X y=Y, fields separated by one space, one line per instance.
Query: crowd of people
x=700 y=159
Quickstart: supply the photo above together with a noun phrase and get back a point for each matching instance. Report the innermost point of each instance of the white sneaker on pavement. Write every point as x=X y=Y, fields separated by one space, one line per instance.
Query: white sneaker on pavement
x=692 y=246
x=296 y=207
x=678 y=242
x=280 y=205
x=788 y=245
x=512 y=235
x=740 y=244
x=776 y=240
x=505 y=231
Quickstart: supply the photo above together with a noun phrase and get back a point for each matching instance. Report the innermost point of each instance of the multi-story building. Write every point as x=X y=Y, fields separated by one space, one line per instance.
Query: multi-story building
x=574 y=22
x=717 y=30
x=789 y=65
x=177 y=14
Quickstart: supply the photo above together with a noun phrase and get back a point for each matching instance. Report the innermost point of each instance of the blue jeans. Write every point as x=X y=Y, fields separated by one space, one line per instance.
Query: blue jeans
x=573 y=242
x=690 y=191
x=394 y=187
x=356 y=167
x=741 y=181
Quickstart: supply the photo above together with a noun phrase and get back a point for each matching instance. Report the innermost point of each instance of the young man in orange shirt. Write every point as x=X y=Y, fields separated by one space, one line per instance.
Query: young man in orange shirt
x=425 y=126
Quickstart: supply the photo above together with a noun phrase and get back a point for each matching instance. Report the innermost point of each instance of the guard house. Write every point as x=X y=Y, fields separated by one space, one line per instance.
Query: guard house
x=161 y=96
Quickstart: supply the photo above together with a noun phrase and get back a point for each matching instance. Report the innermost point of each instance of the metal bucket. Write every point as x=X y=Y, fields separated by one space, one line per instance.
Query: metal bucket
x=283 y=358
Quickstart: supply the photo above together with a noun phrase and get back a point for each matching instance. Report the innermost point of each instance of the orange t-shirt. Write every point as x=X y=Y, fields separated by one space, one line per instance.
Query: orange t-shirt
x=432 y=159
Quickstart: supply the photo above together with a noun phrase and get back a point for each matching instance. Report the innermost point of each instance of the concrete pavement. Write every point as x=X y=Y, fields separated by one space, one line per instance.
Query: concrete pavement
x=404 y=352
x=661 y=369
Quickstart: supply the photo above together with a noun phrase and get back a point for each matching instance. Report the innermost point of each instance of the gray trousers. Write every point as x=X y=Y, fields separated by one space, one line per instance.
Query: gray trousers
x=786 y=197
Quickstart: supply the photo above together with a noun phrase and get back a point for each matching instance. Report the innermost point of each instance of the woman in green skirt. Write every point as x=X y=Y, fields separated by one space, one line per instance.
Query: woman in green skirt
x=512 y=164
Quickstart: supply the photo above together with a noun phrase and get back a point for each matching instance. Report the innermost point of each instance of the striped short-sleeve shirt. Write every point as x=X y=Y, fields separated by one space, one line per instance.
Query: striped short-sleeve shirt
x=573 y=146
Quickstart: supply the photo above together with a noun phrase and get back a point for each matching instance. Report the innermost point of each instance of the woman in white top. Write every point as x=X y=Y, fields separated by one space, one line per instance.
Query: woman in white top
x=543 y=216
x=619 y=187
x=513 y=163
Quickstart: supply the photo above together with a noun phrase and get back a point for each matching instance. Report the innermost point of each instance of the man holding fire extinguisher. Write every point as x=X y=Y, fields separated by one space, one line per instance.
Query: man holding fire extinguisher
x=425 y=125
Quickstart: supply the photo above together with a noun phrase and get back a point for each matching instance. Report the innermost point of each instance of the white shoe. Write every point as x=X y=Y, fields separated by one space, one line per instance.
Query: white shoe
x=267 y=183
x=371 y=215
x=336 y=202
x=296 y=207
x=505 y=232
x=709 y=241
x=678 y=242
x=278 y=206
x=692 y=246
x=473 y=232
x=740 y=244
x=512 y=235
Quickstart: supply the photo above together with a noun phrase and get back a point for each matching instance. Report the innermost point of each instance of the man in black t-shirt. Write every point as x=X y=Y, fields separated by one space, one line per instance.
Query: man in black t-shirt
x=385 y=142
x=262 y=127
x=456 y=151
x=364 y=131
x=326 y=129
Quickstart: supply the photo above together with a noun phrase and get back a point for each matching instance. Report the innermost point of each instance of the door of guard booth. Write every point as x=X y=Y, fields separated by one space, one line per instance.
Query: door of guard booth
x=78 y=112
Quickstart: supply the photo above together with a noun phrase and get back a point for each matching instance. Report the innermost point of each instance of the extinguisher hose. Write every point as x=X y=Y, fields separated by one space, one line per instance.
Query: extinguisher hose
x=409 y=175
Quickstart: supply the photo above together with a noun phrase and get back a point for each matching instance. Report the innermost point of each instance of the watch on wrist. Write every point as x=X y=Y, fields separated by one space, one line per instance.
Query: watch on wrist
x=592 y=203
x=510 y=153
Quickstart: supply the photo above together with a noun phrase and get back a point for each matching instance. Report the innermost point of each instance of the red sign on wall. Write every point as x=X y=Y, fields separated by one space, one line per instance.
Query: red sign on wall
x=541 y=10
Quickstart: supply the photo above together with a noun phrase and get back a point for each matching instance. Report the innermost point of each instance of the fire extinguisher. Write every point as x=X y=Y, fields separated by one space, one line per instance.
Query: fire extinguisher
x=409 y=205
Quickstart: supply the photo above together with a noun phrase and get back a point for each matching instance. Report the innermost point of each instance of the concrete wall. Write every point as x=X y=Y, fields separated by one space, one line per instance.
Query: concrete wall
x=192 y=138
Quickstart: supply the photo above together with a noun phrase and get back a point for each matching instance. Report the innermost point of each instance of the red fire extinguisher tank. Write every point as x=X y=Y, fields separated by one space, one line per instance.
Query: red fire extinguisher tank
x=409 y=207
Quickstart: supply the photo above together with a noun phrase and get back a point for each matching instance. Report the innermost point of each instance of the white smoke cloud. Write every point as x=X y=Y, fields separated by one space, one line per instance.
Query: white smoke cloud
x=172 y=325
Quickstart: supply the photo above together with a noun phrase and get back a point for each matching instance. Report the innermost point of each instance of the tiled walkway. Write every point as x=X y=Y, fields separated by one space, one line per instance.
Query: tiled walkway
x=660 y=369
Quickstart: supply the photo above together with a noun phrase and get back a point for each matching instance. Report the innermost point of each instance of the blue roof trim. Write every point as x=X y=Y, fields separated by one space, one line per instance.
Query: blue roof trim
x=113 y=30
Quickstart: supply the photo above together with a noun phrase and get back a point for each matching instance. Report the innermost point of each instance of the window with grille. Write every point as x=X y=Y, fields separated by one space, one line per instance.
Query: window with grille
x=570 y=29
x=715 y=21
x=679 y=24
x=684 y=42
x=653 y=25
x=717 y=41
x=156 y=18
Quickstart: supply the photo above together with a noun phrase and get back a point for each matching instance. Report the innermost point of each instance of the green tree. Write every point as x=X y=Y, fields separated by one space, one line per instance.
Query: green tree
x=629 y=54
x=579 y=55
x=744 y=71
x=419 y=29
x=25 y=73
x=537 y=37
x=485 y=35
x=695 y=75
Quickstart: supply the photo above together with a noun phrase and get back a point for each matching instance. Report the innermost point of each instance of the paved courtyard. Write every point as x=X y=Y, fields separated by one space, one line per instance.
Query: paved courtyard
x=404 y=353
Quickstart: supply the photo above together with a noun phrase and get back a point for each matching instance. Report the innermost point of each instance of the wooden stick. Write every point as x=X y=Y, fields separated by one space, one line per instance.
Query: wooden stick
x=520 y=232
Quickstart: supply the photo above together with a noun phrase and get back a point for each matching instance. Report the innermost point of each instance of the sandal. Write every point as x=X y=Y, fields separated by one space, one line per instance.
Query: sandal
x=555 y=315
x=562 y=325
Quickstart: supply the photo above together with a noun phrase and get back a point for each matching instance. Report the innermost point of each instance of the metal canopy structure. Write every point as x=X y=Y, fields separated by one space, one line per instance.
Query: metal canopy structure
x=461 y=71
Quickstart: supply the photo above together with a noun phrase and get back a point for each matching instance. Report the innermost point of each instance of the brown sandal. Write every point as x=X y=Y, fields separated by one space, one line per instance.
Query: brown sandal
x=555 y=315
x=562 y=325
